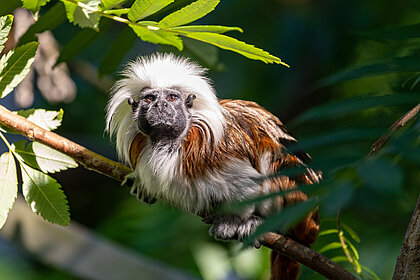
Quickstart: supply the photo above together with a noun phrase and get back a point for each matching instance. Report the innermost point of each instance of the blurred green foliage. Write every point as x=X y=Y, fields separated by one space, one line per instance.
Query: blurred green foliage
x=354 y=71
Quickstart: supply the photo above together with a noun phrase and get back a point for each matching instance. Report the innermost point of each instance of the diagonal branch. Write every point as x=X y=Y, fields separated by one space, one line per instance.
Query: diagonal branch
x=118 y=171
x=87 y=158
x=398 y=124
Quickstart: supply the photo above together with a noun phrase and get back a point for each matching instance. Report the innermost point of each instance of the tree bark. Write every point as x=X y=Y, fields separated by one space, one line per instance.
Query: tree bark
x=408 y=262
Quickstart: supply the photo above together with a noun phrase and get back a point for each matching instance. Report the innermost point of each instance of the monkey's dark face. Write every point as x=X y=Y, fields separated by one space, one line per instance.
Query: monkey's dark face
x=162 y=114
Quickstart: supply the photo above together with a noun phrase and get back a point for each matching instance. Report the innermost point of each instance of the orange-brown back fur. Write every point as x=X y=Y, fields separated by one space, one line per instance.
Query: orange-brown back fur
x=251 y=133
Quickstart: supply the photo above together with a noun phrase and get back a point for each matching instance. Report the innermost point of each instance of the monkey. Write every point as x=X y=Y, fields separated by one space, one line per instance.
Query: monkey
x=197 y=152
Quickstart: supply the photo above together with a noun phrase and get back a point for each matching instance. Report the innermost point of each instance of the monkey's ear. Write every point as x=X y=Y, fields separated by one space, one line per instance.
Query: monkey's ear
x=189 y=100
x=132 y=103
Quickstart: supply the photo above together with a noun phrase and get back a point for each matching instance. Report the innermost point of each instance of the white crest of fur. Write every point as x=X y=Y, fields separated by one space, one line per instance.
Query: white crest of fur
x=161 y=71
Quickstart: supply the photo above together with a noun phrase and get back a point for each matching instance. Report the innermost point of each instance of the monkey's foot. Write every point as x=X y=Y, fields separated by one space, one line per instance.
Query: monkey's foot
x=135 y=190
x=233 y=227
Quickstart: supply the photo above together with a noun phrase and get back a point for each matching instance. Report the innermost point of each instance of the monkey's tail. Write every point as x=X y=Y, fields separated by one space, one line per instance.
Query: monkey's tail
x=283 y=268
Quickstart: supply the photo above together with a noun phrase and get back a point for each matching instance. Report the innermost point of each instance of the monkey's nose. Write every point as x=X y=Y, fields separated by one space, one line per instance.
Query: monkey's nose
x=161 y=104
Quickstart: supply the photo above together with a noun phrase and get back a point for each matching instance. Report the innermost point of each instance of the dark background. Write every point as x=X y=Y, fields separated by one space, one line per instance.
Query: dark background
x=317 y=39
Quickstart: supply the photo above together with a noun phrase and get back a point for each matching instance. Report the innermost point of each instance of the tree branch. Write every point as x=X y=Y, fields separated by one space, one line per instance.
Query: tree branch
x=408 y=262
x=118 y=171
x=398 y=124
x=87 y=158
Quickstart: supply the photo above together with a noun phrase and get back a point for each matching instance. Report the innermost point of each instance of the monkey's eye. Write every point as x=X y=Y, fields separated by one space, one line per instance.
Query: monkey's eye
x=172 y=97
x=149 y=98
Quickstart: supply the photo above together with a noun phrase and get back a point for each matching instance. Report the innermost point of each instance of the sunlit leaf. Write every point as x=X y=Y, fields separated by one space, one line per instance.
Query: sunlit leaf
x=49 y=20
x=34 y=5
x=48 y=120
x=158 y=36
x=5 y=26
x=42 y=157
x=144 y=8
x=190 y=13
x=83 y=17
x=394 y=65
x=117 y=12
x=207 y=28
x=15 y=66
x=44 y=195
x=8 y=185
x=381 y=176
x=117 y=51
x=232 y=44
x=108 y=4
x=331 y=246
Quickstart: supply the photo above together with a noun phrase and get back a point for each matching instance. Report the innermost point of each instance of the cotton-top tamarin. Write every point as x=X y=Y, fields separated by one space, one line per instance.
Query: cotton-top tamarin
x=197 y=152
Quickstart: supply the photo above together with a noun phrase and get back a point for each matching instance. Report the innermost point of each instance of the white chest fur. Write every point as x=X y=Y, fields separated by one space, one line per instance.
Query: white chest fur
x=159 y=173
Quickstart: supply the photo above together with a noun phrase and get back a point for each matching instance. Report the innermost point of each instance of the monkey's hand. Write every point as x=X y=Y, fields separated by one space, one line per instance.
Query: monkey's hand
x=129 y=182
x=233 y=227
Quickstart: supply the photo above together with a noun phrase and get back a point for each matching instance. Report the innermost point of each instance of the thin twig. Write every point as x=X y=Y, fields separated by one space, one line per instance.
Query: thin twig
x=398 y=124
x=118 y=171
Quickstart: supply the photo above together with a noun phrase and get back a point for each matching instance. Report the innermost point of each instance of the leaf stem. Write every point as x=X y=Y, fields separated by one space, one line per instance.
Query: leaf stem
x=352 y=261
x=116 y=18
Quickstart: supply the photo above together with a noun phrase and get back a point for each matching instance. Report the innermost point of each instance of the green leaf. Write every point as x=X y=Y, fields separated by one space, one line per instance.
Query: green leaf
x=158 y=36
x=394 y=65
x=229 y=43
x=81 y=41
x=82 y=17
x=47 y=21
x=108 y=4
x=381 y=176
x=372 y=274
x=285 y=219
x=48 y=120
x=392 y=33
x=327 y=232
x=117 y=51
x=117 y=12
x=339 y=259
x=8 y=185
x=190 y=13
x=15 y=65
x=331 y=246
x=5 y=26
x=144 y=8
x=9 y=6
x=350 y=105
x=350 y=231
x=44 y=195
x=336 y=137
x=353 y=249
x=207 y=28
x=42 y=157
x=34 y=5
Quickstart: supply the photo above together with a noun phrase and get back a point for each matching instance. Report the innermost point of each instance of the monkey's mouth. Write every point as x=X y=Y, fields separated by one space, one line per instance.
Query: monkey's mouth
x=161 y=125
